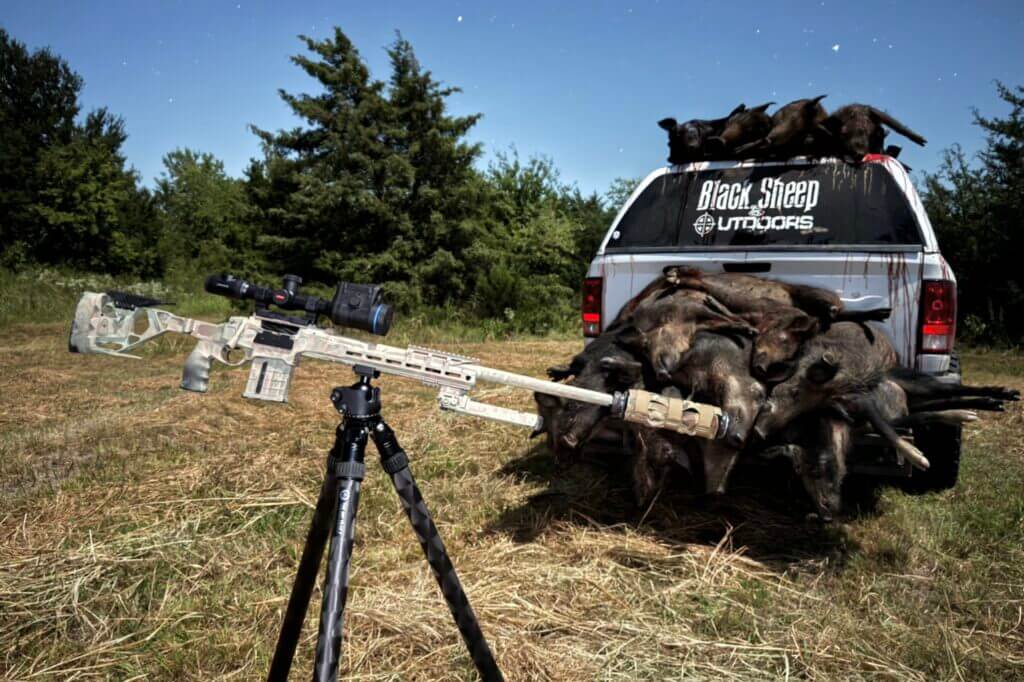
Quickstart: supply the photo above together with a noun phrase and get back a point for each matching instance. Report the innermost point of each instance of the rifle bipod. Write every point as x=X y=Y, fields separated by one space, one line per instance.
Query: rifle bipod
x=335 y=516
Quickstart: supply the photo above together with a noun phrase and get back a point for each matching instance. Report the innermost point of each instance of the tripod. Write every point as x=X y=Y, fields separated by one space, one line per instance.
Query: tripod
x=335 y=516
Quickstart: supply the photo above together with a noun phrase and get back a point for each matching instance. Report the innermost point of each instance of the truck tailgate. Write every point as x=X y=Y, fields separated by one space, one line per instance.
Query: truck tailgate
x=864 y=279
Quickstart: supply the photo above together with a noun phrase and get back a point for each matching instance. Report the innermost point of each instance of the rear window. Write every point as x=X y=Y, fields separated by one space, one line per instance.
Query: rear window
x=824 y=205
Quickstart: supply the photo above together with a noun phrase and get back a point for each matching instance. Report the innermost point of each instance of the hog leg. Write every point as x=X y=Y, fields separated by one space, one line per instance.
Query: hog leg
x=957 y=403
x=869 y=410
x=952 y=417
x=716 y=317
x=719 y=460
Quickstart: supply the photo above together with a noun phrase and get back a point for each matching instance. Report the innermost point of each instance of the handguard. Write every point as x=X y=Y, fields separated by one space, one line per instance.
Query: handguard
x=674 y=414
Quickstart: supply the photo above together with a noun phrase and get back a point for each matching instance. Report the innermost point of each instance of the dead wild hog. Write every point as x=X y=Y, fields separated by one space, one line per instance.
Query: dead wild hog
x=742 y=293
x=602 y=366
x=795 y=127
x=846 y=361
x=686 y=141
x=817 y=445
x=781 y=333
x=662 y=328
x=785 y=315
x=654 y=453
x=716 y=370
x=857 y=129
x=742 y=128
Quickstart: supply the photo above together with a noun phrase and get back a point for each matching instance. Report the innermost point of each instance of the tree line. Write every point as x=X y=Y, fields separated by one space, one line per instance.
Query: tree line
x=380 y=183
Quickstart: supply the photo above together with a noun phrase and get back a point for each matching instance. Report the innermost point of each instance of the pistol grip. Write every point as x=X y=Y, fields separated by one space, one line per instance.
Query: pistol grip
x=196 y=375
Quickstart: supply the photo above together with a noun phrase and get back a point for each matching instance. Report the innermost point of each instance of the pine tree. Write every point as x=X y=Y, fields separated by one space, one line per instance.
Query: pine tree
x=377 y=185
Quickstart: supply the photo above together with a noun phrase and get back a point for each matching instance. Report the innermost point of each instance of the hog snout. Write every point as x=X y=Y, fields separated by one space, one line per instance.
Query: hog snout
x=761 y=429
x=569 y=441
x=664 y=365
x=761 y=362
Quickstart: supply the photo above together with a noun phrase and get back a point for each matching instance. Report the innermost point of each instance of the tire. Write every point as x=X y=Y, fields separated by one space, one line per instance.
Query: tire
x=941 y=444
x=954 y=364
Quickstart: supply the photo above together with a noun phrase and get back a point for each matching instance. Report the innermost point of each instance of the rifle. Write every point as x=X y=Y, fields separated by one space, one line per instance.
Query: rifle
x=114 y=323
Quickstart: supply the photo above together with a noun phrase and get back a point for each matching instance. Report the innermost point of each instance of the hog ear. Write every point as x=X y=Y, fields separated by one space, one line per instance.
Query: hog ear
x=667 y=124
x=630 y=338
x=627 y=372
x=824 y=369
x=545 y=400
x=803 y=324
x=560 y=373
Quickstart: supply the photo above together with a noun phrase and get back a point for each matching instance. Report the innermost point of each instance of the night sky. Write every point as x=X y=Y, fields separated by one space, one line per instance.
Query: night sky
x=583 y=83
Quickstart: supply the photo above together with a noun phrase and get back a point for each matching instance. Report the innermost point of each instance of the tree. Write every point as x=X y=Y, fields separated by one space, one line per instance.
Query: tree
x=66 y=197
x=81 y=191
x=529 y=261
x=207 y=222
x=976 y=212
x=620 y=189
x=378 y=185
x=38 y=105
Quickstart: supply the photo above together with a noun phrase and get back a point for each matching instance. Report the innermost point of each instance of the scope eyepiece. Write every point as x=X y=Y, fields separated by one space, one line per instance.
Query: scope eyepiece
x=354 y=305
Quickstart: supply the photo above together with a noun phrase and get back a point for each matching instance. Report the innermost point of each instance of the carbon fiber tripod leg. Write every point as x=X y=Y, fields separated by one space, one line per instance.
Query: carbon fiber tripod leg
x=305 y=578
x=396 y=464
x=350 y=475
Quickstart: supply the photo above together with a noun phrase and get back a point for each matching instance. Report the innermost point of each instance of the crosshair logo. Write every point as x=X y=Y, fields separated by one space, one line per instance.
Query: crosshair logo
x=704 y=224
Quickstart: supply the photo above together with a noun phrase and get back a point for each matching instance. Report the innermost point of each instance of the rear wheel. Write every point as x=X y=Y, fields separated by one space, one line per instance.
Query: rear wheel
x=941 y=444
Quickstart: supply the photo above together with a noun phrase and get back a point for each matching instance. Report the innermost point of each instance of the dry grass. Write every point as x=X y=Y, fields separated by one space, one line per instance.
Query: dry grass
x=150 y=533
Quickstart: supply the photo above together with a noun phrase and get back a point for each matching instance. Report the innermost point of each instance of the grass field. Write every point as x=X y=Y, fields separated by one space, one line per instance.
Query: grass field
x=146 y=532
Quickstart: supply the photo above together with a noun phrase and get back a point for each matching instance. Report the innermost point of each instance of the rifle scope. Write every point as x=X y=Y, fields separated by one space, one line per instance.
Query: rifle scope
x=354 y=305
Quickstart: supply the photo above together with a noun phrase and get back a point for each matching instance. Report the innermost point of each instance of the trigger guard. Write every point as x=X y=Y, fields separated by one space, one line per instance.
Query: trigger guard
x=222 y=357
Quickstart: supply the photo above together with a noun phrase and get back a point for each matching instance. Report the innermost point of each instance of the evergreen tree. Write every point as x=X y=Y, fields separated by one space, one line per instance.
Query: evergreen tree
x=378 y=185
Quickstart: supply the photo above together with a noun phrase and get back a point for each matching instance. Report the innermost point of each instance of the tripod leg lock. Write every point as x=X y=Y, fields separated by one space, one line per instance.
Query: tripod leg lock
x=395 y=462
x=355 y=471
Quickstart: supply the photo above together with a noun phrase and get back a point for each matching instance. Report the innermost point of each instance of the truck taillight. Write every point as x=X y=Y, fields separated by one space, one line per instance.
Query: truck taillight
x=592 y=306
x=938 y=316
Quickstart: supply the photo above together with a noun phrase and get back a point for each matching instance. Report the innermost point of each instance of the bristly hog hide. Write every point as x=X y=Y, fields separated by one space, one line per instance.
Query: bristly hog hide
x=796 y=374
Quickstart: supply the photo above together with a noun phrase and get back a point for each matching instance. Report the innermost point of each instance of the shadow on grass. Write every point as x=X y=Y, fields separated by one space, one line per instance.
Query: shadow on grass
x=765 y=510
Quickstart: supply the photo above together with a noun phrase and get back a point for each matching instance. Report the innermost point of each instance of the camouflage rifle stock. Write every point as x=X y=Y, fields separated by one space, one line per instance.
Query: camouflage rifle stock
x=115 y=323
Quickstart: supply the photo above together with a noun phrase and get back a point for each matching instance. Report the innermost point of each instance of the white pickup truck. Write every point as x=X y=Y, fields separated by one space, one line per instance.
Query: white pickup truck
x=859 y=230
